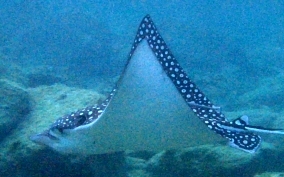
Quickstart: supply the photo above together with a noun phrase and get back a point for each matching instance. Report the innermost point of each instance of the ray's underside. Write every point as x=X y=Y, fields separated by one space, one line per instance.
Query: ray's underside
x=152 y=107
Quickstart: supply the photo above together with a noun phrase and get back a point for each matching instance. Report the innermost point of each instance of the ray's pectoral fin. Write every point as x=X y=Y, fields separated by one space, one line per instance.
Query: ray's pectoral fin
x=240 y=135
x=247 y=142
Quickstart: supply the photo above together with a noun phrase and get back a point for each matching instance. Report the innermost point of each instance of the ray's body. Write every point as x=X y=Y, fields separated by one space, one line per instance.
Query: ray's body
x=151 y=108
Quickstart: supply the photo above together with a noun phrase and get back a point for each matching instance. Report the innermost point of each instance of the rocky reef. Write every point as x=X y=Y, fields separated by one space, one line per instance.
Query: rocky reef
x=27 y=109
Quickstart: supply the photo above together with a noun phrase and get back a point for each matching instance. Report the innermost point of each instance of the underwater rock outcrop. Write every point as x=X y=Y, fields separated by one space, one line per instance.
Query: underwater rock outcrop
x=14 y=106
x=207 y=160
x=47 y=103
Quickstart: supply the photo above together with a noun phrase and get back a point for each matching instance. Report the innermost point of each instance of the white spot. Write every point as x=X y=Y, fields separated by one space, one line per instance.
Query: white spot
x=206 y=121
x=188 y=96
x=200 y=95
x=141 y=32
x=90 y=113
x=185 y=81
x=176 y=69
x=173 y=75
x=162 y=47
x=245 y=142
x=209 y=126
x=238 y=122
x=183 y=90
x=253 y=139
x=191 y=85
x=195 y=90
x=181 y=75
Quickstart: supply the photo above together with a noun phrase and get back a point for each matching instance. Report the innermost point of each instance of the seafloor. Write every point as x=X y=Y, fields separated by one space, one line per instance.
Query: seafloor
x=26 y=110
x=59 y=56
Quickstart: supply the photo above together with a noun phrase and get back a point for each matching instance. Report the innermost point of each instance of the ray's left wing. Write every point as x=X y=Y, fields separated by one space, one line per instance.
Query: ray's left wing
x=196 y=100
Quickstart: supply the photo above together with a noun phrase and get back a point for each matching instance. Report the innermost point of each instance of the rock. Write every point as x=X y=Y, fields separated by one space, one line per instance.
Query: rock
x=135 y=163
x=270 y=174
x=278 y=140
x=12 y=72
x=138 y=173
x=268 y=93
x=215 y=160
x=136 y=167
x=207 y=160
x=49 y=103
x=14 y=106
x=43 y=75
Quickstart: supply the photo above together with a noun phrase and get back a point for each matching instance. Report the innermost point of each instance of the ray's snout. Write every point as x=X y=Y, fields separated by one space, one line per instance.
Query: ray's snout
x=39 y=139
x=43 y=138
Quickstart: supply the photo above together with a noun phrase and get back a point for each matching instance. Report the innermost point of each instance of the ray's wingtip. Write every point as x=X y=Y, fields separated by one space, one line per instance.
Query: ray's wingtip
x=147 y=17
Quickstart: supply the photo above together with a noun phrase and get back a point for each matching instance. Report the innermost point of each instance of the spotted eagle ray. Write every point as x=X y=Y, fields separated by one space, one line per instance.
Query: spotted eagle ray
x=152 y=108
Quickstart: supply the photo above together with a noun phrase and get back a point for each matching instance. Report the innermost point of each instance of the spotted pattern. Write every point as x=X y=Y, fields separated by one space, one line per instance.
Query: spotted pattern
x=196 y=100
x=83 y=116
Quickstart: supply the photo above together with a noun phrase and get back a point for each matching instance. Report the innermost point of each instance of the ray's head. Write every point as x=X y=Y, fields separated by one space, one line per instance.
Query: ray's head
x=67 y=134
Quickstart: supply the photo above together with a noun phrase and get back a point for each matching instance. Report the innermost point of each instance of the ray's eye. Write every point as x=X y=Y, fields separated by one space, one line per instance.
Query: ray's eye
x=81 y=120
x=56 y=129
x=60 y=130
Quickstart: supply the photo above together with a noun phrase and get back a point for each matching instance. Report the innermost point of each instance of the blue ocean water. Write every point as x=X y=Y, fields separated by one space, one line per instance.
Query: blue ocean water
x=233 y=50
